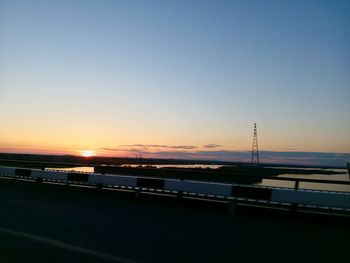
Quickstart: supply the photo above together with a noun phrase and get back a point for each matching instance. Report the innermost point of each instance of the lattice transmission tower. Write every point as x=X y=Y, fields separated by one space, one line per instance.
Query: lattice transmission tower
x=255 y=150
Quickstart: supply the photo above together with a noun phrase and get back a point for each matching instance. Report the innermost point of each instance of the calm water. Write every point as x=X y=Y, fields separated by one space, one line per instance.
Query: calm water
x=203 y=166
x=87 y=169
x=316 y=186
x=84 y=169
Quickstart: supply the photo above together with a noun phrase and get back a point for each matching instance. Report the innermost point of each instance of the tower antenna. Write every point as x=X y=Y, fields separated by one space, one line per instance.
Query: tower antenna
x=255 y=150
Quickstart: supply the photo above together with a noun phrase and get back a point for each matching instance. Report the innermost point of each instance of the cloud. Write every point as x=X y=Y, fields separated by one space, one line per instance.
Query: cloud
x=212 y=145
x=184 y=147
x=131 y=150
x=114 y=149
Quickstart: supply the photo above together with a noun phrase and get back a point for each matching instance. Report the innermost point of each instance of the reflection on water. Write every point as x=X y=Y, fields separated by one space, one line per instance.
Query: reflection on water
x=336 y=177
x=339 y=170
x=87 y=169
x=328 y=187
x=203 y=166
x=276 y=183
x=313 y=186
x=84 y=169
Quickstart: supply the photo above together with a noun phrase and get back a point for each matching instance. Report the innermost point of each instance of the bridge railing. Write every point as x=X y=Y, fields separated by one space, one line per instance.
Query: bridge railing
x=57 y=165
x=231 y=192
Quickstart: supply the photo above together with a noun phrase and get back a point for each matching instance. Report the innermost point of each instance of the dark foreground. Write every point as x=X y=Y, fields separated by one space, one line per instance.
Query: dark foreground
x=50 y=223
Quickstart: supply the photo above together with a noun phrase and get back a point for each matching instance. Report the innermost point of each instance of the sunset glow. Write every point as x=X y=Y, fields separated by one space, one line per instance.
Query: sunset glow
x=87 y=153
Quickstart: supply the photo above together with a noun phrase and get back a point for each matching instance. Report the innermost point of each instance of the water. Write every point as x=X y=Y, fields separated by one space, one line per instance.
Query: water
x=314 y=186
x=83 y=169
x=298 y=168
x=87 y=169
x=203 y=166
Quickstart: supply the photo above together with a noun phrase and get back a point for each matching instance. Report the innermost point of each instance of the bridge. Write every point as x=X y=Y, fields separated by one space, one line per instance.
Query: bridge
x=52 y=216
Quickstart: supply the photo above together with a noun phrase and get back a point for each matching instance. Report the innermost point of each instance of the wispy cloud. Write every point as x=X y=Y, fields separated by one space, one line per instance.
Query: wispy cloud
x=184 y=147
x=127 y=150
x=113 y=149
x=212 y=145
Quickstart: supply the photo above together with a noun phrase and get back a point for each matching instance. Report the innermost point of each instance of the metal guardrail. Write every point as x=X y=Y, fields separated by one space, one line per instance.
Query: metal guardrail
x=232 y=193
x=297 y=181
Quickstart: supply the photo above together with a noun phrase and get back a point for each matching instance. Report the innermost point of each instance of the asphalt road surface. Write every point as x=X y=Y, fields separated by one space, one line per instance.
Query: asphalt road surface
x=50 y=223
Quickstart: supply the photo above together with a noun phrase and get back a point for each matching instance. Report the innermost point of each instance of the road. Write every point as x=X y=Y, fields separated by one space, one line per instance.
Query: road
x=50 y=223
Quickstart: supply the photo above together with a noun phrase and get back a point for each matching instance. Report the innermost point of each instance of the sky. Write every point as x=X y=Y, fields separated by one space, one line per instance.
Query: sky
x=176 y=79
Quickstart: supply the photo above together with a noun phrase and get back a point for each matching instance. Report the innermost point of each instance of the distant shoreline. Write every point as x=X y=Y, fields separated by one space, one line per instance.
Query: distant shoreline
x=99 y=160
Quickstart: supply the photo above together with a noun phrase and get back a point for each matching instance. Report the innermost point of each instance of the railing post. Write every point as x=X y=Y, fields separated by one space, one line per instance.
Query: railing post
x=296 y=185
x=38 y=180
x=12 y=181
x=294 y=206
x=232 y=207
x=137 y=194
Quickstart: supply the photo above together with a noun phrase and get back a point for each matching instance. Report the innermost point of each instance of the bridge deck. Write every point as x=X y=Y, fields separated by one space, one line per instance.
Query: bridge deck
x=52 y=223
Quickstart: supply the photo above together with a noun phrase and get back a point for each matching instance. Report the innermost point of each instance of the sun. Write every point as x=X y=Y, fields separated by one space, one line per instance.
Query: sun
x=87 y=153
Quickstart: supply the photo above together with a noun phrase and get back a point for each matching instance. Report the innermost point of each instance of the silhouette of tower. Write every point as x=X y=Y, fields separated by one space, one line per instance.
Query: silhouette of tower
x=255 y=149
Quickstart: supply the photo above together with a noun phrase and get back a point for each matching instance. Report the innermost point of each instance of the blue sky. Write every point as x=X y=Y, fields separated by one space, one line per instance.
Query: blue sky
x=80 y=75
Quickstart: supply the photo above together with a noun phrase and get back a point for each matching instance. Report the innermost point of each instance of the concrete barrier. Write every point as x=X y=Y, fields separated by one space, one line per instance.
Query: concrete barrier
x=341 y=200
x=113 y=180
x=199 y=187
x=50 y=175
x=78 y=177
x=23 y=172
x=251 y=192
x=7 y=170
x=315 y=198
x=150 y=183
